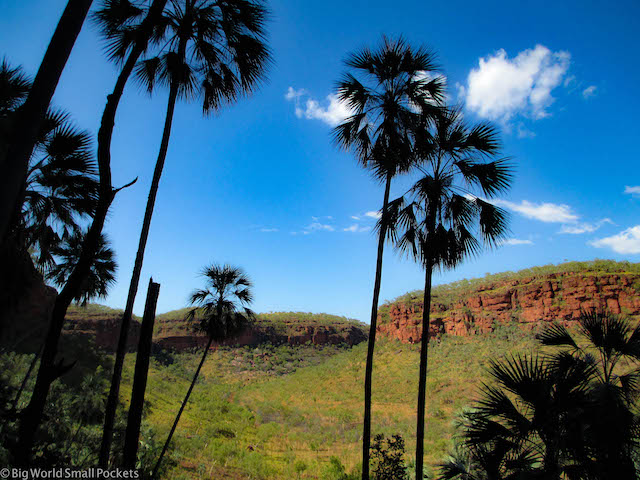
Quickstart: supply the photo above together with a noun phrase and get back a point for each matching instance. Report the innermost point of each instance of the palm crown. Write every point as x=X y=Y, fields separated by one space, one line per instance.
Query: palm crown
x=443 y=216
x=101 y=274
x=222 y=306
x=396 y=86
x=61 y=187
x=212 y=49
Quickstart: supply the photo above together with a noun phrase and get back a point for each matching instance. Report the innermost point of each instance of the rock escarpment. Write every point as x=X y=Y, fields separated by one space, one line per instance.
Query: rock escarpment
x=172 y=332
x=527 y=301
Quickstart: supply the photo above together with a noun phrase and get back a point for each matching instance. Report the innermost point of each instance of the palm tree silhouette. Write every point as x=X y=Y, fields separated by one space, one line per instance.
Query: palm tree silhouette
x=133 y=39
x=221 y=310
x=395 y=87
x=102 y=273
x=208 y=49
x=61 y=186
x=570 y=413
x=607 y=342
x=14 y=160
x=440 y=226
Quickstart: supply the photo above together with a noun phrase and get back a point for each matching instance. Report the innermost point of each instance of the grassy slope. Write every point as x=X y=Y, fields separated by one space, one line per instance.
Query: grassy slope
x=244 y=421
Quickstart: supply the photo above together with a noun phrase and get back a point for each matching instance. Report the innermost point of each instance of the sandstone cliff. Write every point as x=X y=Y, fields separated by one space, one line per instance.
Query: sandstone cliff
x=524 y=299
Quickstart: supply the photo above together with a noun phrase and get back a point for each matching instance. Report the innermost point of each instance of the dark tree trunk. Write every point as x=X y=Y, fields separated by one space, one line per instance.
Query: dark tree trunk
x=29 y=119
x=140 y=378
x=112 y=401
x=49 y=370
x=368 y=375
x=26 y=378
x=424 y=356
x=184 y=403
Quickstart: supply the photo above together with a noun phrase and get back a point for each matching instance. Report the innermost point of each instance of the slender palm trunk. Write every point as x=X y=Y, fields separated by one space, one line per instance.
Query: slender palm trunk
x=184 y=403
x=112 y=400
x=15 y=165
x=368 y=375
x=49 y=370
x=134 y=419
x=424 y=356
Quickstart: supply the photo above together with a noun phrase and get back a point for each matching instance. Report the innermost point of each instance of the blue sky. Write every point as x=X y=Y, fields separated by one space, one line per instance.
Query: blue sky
x=261 y=186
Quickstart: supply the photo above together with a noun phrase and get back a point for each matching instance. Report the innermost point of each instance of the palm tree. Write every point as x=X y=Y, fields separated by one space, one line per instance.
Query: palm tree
x=570 y=413
x=221 y=309
x=440 y=226
x=61 y=185
x=395 y=87
x=14 y=161
x=127 y=41
x=530 y=424
x=608 y=342
x=101 y=275
x=211 y=49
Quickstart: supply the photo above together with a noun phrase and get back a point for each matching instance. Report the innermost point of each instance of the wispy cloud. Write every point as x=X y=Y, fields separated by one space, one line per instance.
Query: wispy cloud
x=267 y=230
x=516 y=241
x=635 y=191
x=332 y=111
x=580 y=228
x=373 y=214
x=589 y=92
x=625 y=242
x=500 y=87
x=355 y=228
x=544 y=212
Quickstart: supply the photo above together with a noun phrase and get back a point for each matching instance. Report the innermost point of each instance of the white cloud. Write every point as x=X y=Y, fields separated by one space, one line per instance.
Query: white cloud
x=635 y=191
x=589 y=91
x=355 y=228
x=501 y=87
x=269 y=230
x=545 y=212
x=355 y=217
x=317 y=226
x=625 y=242
x=334 y=113
x=293 y=94
x=579 y=228
x=516 y=241
x=373 y=214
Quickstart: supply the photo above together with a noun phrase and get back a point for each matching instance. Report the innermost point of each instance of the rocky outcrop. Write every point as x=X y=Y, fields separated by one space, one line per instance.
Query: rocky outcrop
x=256 y=335
x=527 y=302
x=176 y=335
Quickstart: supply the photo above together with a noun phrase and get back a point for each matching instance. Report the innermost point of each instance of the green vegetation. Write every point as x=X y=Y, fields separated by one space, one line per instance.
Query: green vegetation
x=269 y=408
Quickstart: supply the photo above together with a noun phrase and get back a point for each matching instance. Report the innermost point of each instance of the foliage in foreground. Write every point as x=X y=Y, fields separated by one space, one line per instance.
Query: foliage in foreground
x=570 y=413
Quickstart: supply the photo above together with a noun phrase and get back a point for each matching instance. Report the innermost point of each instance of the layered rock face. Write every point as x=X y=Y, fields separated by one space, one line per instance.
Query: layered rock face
x=527 y=302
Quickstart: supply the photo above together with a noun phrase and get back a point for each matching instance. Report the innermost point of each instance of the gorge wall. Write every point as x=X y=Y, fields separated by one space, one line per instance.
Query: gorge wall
x=172 y=332
x=527 y=301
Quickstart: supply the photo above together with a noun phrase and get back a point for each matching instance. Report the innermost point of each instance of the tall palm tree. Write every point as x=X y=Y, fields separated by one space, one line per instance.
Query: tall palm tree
x=387 y=90
x=209 y=49
x=128 y=31
x=441 y=224
x=14 y=160
x=221 y=309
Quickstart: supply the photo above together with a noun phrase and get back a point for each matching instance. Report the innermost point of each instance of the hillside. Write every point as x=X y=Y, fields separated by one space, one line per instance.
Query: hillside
x=173 y=332
x=527 y=298
x=247 y=421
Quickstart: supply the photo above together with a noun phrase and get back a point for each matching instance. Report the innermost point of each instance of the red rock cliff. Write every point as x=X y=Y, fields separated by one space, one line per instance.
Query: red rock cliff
x=526 y=301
